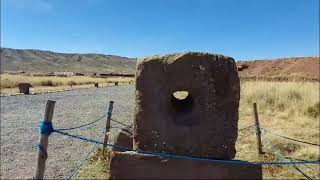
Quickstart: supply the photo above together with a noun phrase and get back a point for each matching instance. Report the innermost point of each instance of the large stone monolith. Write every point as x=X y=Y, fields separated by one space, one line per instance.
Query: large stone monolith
x=186 y=105
x=204 y=123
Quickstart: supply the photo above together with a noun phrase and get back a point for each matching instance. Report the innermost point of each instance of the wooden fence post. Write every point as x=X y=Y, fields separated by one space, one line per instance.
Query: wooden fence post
x=106 y=135
x=258 y=131
x=43 y=141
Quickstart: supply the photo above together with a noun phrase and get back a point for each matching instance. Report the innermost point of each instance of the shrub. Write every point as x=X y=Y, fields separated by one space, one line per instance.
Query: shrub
x=294 y=95
x=281 y=107
x=314 y=111
x=47 y=83
x=286 y=146
x=71 y=83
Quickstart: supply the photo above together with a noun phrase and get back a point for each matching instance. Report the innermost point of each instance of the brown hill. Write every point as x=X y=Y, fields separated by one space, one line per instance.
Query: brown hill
x=286 y=68
x=30 y=60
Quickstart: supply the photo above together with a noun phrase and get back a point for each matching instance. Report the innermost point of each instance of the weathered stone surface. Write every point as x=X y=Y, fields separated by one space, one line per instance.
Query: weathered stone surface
x=205 y=123
x=24 y=88
x=129 y=165
x=124 y=139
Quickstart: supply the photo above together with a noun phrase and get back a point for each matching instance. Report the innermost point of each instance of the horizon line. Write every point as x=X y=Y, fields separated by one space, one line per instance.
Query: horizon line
x=98 y=53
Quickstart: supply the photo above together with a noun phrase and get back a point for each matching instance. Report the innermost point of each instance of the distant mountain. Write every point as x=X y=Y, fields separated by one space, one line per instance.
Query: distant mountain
x=30 y=60
x=39 y=61
x=307 y=68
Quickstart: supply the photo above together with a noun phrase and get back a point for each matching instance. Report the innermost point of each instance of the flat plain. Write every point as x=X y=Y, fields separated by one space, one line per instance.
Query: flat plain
x=21 y=115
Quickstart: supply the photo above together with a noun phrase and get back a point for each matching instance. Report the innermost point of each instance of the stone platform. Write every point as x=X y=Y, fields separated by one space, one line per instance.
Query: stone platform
x=132 y=165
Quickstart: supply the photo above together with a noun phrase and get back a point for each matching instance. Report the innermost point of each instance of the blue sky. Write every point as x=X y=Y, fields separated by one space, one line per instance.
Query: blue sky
x=243 y=29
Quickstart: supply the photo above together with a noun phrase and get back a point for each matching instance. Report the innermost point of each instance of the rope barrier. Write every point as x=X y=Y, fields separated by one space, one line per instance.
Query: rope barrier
x=305 y=165
x=184 y=157
x=246 y=128
x=48 y=129
x=124 y=130
x=281 y=156
x=72 y=128
x=121 y=123
x=243 y=137
x=314 y=144
x=299 y=170
x=75 y=172
x=131 y=126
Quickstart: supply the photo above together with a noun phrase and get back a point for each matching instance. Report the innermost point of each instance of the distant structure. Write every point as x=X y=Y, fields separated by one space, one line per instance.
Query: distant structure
x=24 y=88
x=186 y=104
x=63 y=73
x=79 y=74
x=113 y=74
x=241 y=67
x=66 y=73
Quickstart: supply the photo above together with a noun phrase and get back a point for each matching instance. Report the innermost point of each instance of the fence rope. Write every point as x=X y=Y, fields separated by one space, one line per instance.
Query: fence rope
x=76 y=170
x=131 y=126
x=314 y=144
x=127 y=126
x=77 y=127
x=305 y=165
x=281 y=156
x=47 y=128
x=246 y=128
x=184 y=157
x=243 y=137
x=124 y=130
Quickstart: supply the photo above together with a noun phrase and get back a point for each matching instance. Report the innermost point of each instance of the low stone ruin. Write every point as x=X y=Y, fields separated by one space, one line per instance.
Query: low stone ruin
x=24 y=88
x=201 y=122
x=124 y=139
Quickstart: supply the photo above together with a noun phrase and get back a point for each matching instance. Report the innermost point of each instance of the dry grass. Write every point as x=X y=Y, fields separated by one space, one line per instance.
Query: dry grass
x=12 y=81
x=98 y=168
x=283 y=108
x=274 y=97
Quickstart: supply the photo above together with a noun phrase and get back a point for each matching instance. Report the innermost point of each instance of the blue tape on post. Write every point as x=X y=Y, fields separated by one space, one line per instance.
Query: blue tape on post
x=45 y=128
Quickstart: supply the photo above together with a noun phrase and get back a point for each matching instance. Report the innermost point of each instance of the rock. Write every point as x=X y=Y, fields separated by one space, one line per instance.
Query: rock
x=124 y=139
x=131 y=165
x=24 y=88
x=202 y=124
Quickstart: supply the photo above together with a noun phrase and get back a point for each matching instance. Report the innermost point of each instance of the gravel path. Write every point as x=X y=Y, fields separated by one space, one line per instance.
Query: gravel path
x=20 y=116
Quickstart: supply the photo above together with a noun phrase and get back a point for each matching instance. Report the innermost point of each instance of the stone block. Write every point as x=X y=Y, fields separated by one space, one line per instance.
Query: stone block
x=131 y=165
x=24 y=88
x=124 y=139
x=204 y=122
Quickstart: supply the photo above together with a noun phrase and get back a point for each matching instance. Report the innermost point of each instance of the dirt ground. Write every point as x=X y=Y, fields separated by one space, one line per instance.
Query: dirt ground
x=20 y=116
